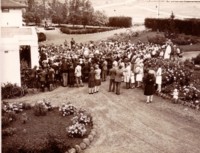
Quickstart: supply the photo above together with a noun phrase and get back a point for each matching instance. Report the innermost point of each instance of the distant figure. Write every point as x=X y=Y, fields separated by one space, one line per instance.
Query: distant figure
x=91 y=81
x=175 y=96
x=112 y=73
x=118 y=79
x=167 y=52
x=159 y=78
x=97 y=78
x=72 y=43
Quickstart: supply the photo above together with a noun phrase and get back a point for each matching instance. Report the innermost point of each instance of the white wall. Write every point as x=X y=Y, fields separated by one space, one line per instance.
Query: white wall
x=10 y=61
x=12 y=18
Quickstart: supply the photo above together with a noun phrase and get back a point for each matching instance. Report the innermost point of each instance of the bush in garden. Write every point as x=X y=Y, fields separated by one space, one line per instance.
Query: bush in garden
x=158 y=39
x=8 y=131
x=197 y=60
x=120 y=21
x=8 y=118
x=40 y=109
x=41 y=37
x=76 y=130
x=180 y=26
x=67 y=109
x=82 y=117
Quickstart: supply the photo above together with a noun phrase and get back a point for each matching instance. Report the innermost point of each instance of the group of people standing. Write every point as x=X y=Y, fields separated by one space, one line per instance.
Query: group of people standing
x=91 y=63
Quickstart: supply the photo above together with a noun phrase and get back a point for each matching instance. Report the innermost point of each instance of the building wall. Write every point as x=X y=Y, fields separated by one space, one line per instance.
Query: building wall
x=11 y=18
x=10 y=63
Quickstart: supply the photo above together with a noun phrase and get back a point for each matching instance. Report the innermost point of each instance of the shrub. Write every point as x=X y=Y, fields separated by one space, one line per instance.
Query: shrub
x=40 y=109
x=120 y=21
x=41 y=37
x=77 y=30
x=187 y=26
x=197 y=60
x=8 y=131
x=8 y=118
x=158 y=39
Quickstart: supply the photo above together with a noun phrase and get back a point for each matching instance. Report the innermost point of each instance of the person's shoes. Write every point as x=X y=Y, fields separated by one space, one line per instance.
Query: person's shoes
x=151 y=101
x=147 y=102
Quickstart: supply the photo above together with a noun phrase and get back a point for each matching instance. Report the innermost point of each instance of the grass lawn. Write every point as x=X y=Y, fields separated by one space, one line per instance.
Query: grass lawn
x=35 y=134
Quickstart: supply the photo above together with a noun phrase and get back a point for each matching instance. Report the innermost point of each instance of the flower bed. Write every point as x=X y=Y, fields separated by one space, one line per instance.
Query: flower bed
x=180 y=76
x=24 y=130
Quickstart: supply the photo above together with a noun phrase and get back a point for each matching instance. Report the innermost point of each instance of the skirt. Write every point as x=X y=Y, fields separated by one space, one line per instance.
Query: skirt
x=97 y=82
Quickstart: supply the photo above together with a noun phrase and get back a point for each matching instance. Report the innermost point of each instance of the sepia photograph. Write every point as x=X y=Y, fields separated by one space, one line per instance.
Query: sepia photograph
x=100 y=76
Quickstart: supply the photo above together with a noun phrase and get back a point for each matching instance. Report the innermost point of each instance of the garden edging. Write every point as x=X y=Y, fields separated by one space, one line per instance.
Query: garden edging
x=86 y=141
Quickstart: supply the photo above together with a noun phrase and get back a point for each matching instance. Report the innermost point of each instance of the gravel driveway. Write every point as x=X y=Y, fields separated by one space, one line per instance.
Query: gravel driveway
x=126 y=124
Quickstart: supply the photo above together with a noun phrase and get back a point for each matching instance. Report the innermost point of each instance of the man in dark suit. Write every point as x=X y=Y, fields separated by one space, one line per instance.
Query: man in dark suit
x=118 y=79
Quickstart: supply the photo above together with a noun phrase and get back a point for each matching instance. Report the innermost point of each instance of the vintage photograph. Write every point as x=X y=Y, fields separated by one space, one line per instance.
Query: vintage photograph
x=100 y=76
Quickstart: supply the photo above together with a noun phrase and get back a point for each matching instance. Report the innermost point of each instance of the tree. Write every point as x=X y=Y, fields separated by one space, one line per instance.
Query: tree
x=99 y=18
x=30 y=5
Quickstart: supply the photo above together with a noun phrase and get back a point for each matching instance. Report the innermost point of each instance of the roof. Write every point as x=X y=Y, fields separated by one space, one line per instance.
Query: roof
x=6 y=4
x=9 y=32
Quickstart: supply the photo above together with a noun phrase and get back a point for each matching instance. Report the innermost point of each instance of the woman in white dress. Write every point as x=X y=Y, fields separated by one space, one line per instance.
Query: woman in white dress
x=159 y=78
x=127 y=74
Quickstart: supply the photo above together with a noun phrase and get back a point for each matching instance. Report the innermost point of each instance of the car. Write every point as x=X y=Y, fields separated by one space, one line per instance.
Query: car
x=49 y=27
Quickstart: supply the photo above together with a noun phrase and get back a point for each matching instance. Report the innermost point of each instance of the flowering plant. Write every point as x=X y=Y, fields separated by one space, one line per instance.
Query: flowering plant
x=12 y=107
x=82 y=117
x=67 y=109
x=40 y=108
x=76 y=130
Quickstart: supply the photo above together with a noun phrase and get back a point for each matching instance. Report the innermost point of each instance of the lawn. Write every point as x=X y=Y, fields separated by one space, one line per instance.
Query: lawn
x=41 y=133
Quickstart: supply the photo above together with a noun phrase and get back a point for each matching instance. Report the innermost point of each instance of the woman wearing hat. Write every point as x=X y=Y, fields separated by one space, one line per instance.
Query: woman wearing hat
x=149 y=85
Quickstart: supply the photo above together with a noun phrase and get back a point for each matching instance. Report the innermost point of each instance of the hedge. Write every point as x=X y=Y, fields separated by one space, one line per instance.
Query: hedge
x=41 y=37
x=77 y=30
x=187 y=26
x=120 y=21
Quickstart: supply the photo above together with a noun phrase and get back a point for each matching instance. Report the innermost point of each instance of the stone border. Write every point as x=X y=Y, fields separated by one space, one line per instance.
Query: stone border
x=185 y=103
x=86 y=141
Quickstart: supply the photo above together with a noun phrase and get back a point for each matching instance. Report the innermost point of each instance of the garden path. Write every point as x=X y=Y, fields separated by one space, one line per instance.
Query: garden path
x=126 y=124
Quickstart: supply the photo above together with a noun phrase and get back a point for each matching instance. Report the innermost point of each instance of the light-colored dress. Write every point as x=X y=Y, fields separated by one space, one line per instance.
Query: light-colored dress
x=159 y=76
x=127 y=74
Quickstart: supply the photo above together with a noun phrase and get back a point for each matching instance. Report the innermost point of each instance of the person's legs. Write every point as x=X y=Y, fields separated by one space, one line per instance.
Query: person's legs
x=151 y=98
x=110 y=85
x=148 y=99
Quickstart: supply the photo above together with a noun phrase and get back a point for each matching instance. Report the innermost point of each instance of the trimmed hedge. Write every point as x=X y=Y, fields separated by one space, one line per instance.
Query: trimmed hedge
x=77 y=30
x=187 y=26
x=120 y=21
x=41 y=37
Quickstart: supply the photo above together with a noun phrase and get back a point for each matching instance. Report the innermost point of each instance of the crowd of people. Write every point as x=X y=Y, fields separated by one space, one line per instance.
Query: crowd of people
x=71 y=64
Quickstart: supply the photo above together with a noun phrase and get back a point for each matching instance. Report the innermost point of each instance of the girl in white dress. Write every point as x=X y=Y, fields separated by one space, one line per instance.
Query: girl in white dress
x=159 y=78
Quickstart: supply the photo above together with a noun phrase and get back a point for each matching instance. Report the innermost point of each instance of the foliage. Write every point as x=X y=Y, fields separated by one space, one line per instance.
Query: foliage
x=41 y=107
x=76 y=130
x=157 y=39
x=120 y=21
x=41 y=37
x=82 y=117
x=197 y=60
x=99 y=18
x=9 y=90
x=83 y=30
x=8 y=131
x=8 y=118
x=187 y=26
x=67 y=109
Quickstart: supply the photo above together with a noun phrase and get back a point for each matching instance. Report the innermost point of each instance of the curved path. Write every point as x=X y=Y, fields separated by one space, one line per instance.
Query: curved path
x=126 y=124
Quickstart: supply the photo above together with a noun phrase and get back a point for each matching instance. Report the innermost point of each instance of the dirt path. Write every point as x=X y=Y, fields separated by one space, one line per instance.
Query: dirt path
x=127 y=125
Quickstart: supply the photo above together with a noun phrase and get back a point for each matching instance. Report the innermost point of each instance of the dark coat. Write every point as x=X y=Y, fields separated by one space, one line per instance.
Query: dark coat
x=91 y=79
x=149 y=84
